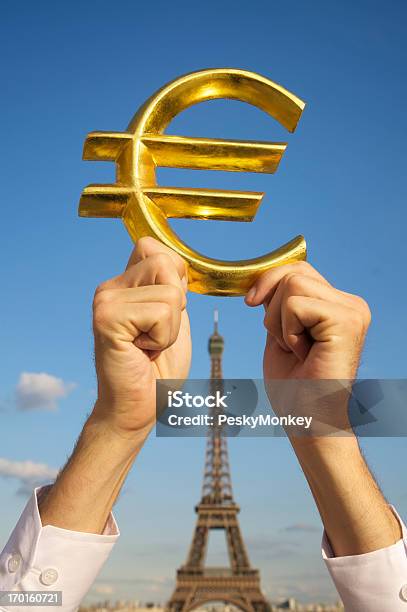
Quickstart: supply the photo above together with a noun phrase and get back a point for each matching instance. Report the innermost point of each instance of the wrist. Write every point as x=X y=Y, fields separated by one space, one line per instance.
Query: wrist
x=331 y=465
x=328 y=462
x=356 y=516
x=327 y=451
x=124 y=440
x=86 y=489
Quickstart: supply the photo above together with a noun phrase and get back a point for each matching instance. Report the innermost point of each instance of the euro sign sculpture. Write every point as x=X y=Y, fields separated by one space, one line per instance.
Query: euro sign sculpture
x=146 y=207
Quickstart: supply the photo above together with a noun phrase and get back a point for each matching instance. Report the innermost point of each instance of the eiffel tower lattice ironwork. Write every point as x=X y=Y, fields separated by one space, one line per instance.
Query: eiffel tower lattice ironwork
x=197 y=584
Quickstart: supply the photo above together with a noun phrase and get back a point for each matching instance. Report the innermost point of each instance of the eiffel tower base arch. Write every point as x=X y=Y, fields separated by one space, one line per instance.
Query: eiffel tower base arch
x=194 y=591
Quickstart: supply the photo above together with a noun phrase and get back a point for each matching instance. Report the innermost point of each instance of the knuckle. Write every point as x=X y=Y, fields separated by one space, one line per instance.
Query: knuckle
x=174 y=295
x=102 y=315
x=163 y=311
x=362 y=308
x=144 y=244
x=365 y=310
x=294 y=283
x=303 y=267
x=355 y=319
x=102 y=287
x=102 y=296
x=291 y=302
x=161 y=260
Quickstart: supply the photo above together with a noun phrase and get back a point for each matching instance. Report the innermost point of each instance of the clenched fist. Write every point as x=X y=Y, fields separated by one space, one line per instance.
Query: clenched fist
x=314 y=331
x=142 y=334
x=315 y=335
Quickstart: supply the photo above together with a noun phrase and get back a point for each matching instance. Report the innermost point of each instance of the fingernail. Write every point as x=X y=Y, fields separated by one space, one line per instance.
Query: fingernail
x=251 y=294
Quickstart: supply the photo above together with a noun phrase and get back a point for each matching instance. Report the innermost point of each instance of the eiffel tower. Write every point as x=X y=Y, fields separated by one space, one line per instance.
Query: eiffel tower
x=197 y=584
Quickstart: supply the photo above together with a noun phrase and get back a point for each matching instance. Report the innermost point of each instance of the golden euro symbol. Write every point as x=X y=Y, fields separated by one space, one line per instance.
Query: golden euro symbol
x=145 y=207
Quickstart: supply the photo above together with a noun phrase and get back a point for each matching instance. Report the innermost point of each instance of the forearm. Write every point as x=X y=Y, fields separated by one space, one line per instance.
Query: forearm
x=85 y=491
x=356 y=517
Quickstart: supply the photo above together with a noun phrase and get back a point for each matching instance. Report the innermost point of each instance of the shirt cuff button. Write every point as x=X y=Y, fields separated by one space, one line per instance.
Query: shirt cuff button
x=403 y=592
x=49 y=577
x=14 y=563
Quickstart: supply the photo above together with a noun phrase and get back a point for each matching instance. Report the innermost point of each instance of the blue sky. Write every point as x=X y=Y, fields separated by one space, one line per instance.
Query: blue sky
x=70 y=68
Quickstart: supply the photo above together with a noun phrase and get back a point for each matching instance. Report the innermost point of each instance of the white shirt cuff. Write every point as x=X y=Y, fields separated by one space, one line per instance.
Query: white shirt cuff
x=372 y=582
x=38 y=558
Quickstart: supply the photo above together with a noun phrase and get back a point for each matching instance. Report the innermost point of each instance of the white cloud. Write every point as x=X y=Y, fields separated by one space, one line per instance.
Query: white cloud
x=28 y=473
x=40 y=391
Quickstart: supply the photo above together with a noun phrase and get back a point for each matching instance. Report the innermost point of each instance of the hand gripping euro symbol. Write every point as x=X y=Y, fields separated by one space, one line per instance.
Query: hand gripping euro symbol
x=145 y=207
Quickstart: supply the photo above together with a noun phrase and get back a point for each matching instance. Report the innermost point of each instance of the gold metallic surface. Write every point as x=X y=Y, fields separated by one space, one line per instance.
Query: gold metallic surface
x=145 y=207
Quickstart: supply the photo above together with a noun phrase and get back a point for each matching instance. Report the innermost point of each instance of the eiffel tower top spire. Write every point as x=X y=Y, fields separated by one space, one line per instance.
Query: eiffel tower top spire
x=216 y=319
x=215 y=348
